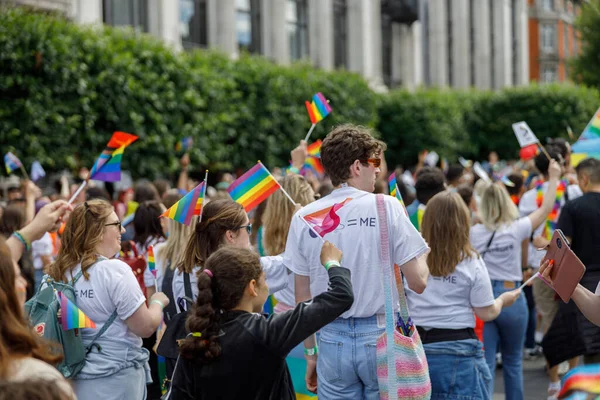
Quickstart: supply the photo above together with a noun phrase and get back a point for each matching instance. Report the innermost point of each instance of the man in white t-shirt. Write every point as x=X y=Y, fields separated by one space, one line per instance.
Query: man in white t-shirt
x=347 y=360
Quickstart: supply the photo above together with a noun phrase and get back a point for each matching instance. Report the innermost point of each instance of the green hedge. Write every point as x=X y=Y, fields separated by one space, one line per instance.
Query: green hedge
x=473 y=123
x=65 y=88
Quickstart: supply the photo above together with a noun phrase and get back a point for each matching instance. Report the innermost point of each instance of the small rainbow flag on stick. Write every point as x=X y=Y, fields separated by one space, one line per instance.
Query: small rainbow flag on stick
x=107 y=167
x=314 y=149
x=12 y=162
x=317 y=110
x=395 y=192
x=72 y=317
x=184 y=144
x=254 y=187
x=188 y=206
x=315 y=165
x=151 y=261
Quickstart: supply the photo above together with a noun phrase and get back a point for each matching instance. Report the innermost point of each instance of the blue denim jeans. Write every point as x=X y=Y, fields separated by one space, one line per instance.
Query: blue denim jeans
x=458 y=370
x=508 y=331
x=347 y=363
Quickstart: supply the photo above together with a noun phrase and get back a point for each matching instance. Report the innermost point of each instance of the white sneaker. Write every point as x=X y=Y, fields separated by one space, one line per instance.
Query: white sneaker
x=553 y=390
x=563 y=367
x=539 y=336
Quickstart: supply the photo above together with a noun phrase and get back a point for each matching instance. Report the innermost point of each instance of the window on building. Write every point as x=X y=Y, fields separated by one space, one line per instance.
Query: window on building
x=450 y=42
x=570 y=7
x=548 y=5
x=548 y=38
x=132 y=13
x=549 y=73
x=340 y=33
x=247 y=24
x=297 y=25
x=193 y=23
x=575 y=43
x=567 y=53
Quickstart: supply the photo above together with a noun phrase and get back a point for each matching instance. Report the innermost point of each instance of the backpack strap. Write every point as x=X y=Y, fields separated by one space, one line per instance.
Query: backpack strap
x=106 y=325
x=187 y=285
x=167 y=289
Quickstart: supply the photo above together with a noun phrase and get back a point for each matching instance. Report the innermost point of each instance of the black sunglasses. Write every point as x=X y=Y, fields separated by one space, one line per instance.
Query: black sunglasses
x=248 y=228
x=117 y=224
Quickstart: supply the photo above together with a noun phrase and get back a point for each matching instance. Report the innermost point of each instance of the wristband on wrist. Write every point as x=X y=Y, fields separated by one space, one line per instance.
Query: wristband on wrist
x=293 y=170
x=21 y=239
x=160 y=303
x=312 y=351
x=332 y=263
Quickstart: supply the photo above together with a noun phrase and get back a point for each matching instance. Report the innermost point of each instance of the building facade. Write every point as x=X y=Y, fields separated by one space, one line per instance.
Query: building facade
x=553 y=39
x=487 y=44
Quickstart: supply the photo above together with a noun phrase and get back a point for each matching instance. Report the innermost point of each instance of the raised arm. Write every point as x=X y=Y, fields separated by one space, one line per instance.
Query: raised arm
x=539 y=216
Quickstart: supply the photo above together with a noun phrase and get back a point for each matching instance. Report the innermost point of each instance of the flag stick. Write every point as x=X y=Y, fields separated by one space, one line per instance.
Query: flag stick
x=544 y=151
x=309 y=132
x=24 y=172
x=83 y=185
x=529 y=280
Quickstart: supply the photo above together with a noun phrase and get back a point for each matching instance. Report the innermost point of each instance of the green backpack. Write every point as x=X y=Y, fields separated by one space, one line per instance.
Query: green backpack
x=42 y=310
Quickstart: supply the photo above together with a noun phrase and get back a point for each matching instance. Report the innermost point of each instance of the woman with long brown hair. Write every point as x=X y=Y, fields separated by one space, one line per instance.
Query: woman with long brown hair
x=108 y=293
x=23 y=354
x=458 y=285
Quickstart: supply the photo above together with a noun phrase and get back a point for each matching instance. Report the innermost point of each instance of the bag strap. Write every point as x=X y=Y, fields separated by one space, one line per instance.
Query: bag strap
x=167 y=395
x=187 y=285
x=387 y=288
x=489 y=243
x=106 y=325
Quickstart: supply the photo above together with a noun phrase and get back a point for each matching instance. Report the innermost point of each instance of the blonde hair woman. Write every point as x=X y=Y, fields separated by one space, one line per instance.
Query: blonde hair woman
x=108 y=293
x=498 y=239
x=458 y=285
x=276 y=224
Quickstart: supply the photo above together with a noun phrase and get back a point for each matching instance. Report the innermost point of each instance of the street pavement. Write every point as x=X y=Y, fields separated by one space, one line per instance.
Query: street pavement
x=534 y=378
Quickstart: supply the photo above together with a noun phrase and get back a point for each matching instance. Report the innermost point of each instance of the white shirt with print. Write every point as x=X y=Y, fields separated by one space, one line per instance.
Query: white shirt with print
x=358 y=237
x=111 y=286
x=503 y=258
x=40 y=248
x=528 y=204
x=448 y=302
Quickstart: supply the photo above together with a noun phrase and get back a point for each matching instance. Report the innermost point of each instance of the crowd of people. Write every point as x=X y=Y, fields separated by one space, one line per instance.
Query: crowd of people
x=234 y=293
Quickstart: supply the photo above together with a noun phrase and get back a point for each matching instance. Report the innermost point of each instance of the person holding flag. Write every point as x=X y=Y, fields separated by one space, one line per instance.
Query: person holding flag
x=348 y=217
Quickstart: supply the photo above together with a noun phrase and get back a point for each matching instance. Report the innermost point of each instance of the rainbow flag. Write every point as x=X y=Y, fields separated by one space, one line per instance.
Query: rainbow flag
x=314 y=164
x=395 y=192
x=314 y=149
x=326 y=220
x=254 y=187
x=72 y=317
x=417 y=217
x=552 y=220
x=592 y=130
x=184 y=144
x=107 y=167
x=318 y=109
x=11 y=162
x=188 y=206
x=585 y=378
x=151 y=262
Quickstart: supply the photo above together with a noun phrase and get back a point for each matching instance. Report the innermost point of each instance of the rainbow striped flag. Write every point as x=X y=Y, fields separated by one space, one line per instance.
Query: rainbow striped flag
x=151 y=261
x=107 y=167
x=314 y=164
x=581 y=380
x=592 y=130
x=72 y=317
x=11 y=162
x=326 y=220
x=318 y=109
x=254 y=187
x=314 y=149
x=188 y=206
x=184 y=144
x=395 y=192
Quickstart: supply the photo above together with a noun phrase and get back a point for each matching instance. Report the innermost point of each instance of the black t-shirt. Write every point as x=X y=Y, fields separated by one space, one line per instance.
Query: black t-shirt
x=580 y=220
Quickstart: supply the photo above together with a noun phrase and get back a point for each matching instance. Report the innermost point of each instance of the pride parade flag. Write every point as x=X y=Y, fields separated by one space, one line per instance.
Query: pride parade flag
x=107 y=167
x=151 y=261
x=592 y=130
x=582 y=382
x=318 y=109
x=314 y=149
x=188 y=206
x=315 y=165
x=184 y=144
x=72 y=317
x=395 y=192
x=254 y=187
x=11 y=162
x=326 y=220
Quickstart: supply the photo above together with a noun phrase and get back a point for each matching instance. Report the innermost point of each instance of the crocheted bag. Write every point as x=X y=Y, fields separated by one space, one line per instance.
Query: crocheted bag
x=396 y=352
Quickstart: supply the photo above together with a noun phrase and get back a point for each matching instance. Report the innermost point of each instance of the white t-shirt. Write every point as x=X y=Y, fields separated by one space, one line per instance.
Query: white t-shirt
x=503 y=259
x=528 y=204
x=358 y=237
x=287 y=295
x=40 y=248
x=111 y=285
x=447 y=302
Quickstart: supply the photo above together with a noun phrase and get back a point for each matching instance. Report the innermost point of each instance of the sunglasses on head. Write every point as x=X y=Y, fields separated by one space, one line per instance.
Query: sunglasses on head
x=376 y=162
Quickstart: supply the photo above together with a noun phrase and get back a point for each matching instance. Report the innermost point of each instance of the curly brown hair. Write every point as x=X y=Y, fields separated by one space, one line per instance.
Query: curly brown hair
x=232 y=270
x=344 y=145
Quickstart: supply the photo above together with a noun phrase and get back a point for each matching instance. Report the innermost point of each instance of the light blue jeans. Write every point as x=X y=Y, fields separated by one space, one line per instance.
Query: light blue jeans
x=508 y=331
x=347 y=363
x=458 y=370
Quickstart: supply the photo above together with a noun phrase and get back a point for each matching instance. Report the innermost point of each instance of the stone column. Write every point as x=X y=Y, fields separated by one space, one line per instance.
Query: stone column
x=275 y=41
x=461 y=57
x=163 y=21
x=320 y=33
x=87 y=11
x=482 y=32
x=438 y=43
x=221 y=26
x=502 y=44
x=407 y=63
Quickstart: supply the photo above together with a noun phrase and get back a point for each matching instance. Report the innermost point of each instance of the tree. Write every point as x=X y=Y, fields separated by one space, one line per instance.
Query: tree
x=585 y=66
